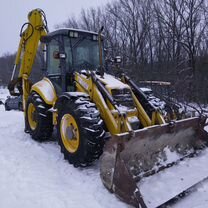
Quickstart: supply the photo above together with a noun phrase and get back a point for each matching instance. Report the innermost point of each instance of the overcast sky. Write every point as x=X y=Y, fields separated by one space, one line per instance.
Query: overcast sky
x=13 y=13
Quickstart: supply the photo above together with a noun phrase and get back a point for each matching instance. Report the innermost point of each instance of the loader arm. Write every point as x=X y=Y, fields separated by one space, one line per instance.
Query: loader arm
x=30 y=34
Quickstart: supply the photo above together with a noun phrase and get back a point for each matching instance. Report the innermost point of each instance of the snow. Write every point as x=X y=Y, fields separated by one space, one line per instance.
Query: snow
x=171 y=157
x=133 y=119
x=39 y=100
x=78 y=30
x=112 y=82
x=3 y=93
x=41 y=106
x=35 y=175
x=146 y=90
x=77 y=94
x=123 y=109
x=186 y=173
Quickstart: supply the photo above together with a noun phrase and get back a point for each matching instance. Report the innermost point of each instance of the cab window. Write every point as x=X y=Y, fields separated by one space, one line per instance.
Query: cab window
x=53 y=64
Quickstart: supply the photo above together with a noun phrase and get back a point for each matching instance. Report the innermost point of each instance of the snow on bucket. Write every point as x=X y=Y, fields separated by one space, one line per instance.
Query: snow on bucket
x=128 y=162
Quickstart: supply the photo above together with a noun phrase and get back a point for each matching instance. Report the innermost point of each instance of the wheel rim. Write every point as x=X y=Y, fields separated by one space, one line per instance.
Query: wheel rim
x=31 y=116
x=69 y=133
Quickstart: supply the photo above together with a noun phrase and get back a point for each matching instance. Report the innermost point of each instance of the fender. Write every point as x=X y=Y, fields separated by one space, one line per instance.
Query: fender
x=46 y=90
x=68 y=96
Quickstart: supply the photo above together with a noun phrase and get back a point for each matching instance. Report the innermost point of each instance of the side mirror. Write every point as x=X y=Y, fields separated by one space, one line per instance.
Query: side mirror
x=58 y=55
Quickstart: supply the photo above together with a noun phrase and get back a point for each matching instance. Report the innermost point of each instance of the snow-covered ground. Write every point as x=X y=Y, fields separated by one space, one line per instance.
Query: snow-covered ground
x=36 y=175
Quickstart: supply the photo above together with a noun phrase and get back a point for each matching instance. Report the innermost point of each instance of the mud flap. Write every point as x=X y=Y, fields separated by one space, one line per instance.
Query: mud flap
x=126 y=160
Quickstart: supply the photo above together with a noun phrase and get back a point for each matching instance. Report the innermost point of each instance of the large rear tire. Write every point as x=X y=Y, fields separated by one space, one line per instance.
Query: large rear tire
x=80 y=131
x=38 y=119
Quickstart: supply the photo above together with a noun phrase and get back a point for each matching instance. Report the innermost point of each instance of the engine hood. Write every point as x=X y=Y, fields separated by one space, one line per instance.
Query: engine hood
x=112 y=82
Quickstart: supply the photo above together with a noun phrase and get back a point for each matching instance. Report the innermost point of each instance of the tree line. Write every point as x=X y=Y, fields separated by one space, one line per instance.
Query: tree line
x=6 y=68
x=163 y=40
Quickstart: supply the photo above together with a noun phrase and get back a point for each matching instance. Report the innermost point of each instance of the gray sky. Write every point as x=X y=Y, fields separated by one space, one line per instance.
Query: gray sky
x=13 y=13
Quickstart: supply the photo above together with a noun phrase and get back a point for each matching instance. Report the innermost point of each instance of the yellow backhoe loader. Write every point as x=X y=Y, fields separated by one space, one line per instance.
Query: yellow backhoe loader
x=85 y=104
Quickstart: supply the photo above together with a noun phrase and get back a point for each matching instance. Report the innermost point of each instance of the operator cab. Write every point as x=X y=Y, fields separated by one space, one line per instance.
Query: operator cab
x=67 y=51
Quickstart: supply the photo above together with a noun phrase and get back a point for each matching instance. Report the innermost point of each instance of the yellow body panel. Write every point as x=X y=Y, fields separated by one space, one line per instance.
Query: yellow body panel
x=46 y=90
x=29 y=41
x=144 y=118
x=86 y=85
x=30 y=35
x=114 y=122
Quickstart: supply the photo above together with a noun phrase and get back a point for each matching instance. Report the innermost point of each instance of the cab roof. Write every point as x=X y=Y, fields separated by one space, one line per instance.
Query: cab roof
x=65 y=31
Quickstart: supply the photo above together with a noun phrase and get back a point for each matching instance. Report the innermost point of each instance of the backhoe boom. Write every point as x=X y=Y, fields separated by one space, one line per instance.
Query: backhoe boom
x=36 y=27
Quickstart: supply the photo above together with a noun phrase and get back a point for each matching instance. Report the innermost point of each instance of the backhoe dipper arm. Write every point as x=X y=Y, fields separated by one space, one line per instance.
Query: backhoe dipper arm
x=36 y=27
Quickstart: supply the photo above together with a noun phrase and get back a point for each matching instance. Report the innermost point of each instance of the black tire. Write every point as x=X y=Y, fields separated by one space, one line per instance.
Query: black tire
x=7 y=107
x=90 y=129
x=42 y=117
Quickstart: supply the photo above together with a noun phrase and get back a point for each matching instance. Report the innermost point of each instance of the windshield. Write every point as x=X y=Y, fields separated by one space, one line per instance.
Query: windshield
x=82 y=53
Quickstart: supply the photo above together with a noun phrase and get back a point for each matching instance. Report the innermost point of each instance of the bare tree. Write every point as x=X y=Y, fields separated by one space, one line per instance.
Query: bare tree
x=162 y=40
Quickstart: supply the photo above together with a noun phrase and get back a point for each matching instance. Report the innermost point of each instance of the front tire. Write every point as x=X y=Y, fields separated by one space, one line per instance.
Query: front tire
x=38 y=119
x=80 y=131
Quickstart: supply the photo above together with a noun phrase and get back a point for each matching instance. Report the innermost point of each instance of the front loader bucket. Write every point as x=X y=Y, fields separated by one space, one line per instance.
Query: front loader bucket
x=134 y=166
